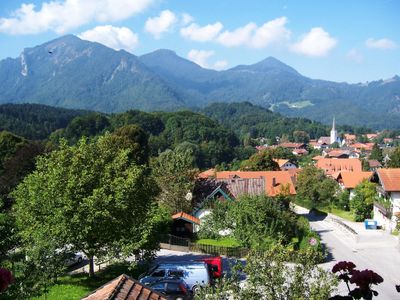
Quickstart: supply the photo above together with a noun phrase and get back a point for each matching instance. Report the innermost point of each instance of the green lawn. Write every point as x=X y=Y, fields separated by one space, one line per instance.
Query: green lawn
x=77 y=286
x=347 y=215
x=223 y=242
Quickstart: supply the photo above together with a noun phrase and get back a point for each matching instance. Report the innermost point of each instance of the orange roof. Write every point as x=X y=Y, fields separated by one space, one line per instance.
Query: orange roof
x=332 y=165
x=371 y=136
x=365 y=146
x=389 y=179
x=317 y=157
x=281 y=179
x=124 y=288
x=281 y=162
x=350 y=137
x=338 y=153
x=186 y=217
x=292 y=145
x=207 y=174
x=351 y=179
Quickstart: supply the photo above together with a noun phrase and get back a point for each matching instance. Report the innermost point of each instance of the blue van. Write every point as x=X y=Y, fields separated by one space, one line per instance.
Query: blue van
x=195 y=274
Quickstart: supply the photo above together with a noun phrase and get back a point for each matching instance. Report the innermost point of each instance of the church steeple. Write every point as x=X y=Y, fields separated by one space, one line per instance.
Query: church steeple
x=334 y=136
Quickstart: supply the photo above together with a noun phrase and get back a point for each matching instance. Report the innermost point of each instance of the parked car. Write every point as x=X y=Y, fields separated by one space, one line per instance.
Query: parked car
x=174 y=288
x=195 y=274
x=73 y=258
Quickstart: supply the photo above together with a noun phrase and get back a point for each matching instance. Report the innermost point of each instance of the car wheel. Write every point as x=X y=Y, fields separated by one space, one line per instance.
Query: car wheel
x=195 y=289
x=79 y=260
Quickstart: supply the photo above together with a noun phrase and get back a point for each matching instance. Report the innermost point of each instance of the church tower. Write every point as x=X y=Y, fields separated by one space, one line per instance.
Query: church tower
x=334 y=136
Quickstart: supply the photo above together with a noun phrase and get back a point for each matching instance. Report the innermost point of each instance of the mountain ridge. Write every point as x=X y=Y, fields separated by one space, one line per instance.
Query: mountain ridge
x=72 y=73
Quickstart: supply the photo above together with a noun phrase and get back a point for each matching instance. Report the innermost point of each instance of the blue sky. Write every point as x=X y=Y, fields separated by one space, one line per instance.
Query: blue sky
x=341 y=40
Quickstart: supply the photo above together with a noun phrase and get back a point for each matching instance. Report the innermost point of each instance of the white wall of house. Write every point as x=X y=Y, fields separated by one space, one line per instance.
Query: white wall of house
x=381 y=219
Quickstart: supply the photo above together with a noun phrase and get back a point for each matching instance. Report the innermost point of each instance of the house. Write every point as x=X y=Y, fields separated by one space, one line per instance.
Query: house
x=371 y=136
x=349 y=138
x=324 y=140
x=389 y=188
x=374 y=164
x=336 y=153
x=363 y=146
x=124 y=288
x=333 y=165
x=184 y=225
x=299 y=152
x=285 y=164
x=275 y=182
x=293 y=146
x=349 y=180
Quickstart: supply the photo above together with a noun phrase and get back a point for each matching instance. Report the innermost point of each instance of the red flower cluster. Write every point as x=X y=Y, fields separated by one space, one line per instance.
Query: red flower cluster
x=6 y=279
x=346 y=266
x=364 y=278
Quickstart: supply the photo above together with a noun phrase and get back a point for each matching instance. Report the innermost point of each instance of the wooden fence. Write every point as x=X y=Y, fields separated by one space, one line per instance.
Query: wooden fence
x=183 y=244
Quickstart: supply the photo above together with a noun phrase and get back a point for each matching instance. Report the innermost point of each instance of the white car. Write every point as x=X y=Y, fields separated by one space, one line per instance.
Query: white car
x=74 y=258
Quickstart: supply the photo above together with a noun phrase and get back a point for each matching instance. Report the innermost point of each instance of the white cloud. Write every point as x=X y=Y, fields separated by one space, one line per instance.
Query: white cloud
x=220 y=65
x=380 y=44
x=201 y=34
x=200 y=57
x=163 y=23
x=250 y=35
x=62 y=16
x=317 y=42
x=271 y=32
x=186 y=19
x=355 y=55
x=113 y=37
x=238 y=37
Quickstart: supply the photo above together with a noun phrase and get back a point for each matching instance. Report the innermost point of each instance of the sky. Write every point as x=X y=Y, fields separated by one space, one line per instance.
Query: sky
x=342 y=40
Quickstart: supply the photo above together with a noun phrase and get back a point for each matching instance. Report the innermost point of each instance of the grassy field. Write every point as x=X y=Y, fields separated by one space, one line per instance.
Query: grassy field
x=77 y=286
x=223 y=242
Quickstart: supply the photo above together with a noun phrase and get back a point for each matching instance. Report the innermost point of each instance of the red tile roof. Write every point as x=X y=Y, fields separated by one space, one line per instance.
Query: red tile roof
x=351 y=179
x=186 y=217
x=389 y=179
x=350 y=137
x=244 y=186
x=207 y=174
x=124 y=288
x=280 y=178
x=292 y=145
x=332 y=165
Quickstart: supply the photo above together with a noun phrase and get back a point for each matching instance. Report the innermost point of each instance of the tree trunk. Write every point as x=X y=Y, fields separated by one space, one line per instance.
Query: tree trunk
x=91 y=266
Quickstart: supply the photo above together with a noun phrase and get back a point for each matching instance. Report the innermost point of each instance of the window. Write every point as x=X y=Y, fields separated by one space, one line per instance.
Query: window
x=173 y=287
x=158 y=273
x=176 y=273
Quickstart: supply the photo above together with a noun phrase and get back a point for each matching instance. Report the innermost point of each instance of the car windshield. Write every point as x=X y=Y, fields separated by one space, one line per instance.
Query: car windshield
x=158 y=273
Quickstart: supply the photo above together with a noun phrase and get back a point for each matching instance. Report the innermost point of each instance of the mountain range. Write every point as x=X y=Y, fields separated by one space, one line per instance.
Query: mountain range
x=73 y=73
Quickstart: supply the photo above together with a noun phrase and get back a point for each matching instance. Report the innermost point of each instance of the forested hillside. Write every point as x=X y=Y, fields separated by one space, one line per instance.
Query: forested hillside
x=34 y=121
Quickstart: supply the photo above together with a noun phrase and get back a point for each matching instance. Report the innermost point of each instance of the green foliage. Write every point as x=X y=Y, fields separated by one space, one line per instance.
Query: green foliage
x=256 y=222
x=314 y=188
x=175 y=172
x=270 y=276
x=376 y=153
x=260 y=161
x=300 y=136
x=394 y=161
x=34 y=121
x=246 y=118
x=363 y=201
x=78 y=191
x=343 y=200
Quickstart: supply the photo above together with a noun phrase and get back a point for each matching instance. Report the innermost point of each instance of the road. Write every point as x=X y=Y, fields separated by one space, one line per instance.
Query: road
x=368 y=249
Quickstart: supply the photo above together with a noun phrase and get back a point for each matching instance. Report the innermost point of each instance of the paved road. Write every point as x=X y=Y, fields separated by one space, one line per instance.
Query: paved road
x=374 y=250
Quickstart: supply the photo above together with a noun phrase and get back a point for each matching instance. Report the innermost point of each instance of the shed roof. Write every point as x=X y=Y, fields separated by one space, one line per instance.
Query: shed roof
x=184 y=216
x=124 y=288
